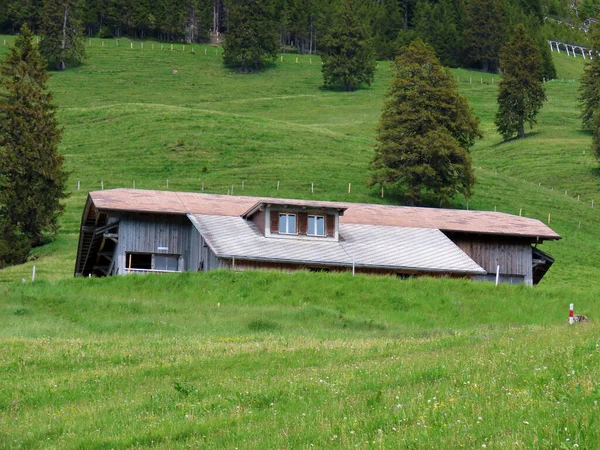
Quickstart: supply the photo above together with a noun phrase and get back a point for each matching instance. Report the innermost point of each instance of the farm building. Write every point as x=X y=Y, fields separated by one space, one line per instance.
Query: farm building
x=136 y=231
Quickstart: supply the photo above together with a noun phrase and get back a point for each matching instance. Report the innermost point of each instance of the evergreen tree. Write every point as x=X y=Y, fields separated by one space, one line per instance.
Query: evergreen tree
x=251 y=38
x=425 y=132
x=589 y=87
x=348 y=54
x=484 y=33
x=521 y=92
x=62 y=33
x=387 y=25
x=32 y=180
x=436 y=24
x=596 y=138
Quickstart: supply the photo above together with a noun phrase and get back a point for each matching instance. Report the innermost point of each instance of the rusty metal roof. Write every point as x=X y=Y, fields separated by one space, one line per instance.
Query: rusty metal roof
x=449 y=220
x=369 y=246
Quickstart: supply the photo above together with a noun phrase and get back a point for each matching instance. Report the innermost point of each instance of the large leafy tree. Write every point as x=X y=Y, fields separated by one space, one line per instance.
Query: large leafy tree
x=251 y=39
x=348 y=54
x=521 y=91
x=484 y=33
x=32 y=179
x=62 y=33
x=425 y=132
x=589 y=87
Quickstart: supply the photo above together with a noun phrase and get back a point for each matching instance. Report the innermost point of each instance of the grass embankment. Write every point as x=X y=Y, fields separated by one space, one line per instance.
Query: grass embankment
x=258 y=360
x=128 y=119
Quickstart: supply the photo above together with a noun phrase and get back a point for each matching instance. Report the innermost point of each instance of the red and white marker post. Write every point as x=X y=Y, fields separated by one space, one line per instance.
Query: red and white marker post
x=571 y=318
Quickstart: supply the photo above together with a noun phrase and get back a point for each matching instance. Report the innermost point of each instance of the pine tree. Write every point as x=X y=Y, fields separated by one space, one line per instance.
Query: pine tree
x=589 y=87
x=61 y=34
x=387 y=26
x=484 y=33
x=32 y=179
x=425 y=132
x=437 y=25
x=596 y=138
x=521 y=91
x=251 y=38
x=348 y=54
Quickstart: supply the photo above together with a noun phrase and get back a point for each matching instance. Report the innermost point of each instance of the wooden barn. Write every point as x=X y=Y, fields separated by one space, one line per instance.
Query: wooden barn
x=136 y=231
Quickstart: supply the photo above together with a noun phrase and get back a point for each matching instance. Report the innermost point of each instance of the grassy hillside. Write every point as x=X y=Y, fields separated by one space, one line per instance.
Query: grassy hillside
x=255 y=360
x=269 y=360
x=129 y=120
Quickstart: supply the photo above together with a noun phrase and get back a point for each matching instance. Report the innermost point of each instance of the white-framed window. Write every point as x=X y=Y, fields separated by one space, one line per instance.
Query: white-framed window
x=287 y=223
x=316 y=225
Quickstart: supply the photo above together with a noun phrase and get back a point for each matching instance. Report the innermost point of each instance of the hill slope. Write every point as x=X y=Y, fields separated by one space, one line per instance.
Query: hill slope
x=257 y=360
x=129 y=120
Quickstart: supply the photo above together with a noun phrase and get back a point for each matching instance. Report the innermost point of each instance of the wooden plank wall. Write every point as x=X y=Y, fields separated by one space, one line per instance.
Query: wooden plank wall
x=289 y=268
x=196 y=241
x=144 y=233
x=513 y=256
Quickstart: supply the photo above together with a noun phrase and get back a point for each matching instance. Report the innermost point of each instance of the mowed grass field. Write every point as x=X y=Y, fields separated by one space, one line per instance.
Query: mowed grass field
x=258 y=360
x=267 y=360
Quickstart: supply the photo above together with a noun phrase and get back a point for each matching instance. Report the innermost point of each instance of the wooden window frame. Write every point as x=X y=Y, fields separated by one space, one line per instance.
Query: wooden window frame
x=287 y=232
x=316 y=217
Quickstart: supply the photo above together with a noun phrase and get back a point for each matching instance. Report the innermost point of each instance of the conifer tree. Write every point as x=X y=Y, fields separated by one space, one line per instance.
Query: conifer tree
x=521 y=91
x=589 y=87
x=387 y=25
x=484 y=33
x=425 y=132
x=61 y=34
x=348 y=54
x=251 y=39
x=32 y=179
x=596 y=138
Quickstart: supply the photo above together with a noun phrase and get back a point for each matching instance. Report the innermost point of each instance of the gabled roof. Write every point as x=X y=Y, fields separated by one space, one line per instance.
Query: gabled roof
x=447 y=220
x=369 y=246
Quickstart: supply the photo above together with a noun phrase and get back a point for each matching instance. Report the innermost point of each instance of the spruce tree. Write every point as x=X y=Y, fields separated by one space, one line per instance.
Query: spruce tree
x=347 y=50
x=387 y=25
x=425 y=132
x=596 y=138
x=251 y=39
x=32 y=179
x=484 y=33
x=521 y=91
x=61 y=34
x=589 y=85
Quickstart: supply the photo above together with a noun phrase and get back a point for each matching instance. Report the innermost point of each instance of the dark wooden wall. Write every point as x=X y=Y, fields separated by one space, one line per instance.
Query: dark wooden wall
x=513 y=255
x=144 y=233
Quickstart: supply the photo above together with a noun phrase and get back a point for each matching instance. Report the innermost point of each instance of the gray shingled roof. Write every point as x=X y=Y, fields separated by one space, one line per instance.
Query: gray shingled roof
x=374 y=246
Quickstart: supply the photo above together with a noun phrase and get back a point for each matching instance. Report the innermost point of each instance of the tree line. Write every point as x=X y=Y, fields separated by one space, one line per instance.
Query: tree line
x=462 y=32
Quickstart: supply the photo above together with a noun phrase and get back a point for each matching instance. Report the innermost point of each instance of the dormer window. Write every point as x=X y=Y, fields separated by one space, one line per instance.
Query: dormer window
x=296 y=219
x=316 y=225
x=287 y=223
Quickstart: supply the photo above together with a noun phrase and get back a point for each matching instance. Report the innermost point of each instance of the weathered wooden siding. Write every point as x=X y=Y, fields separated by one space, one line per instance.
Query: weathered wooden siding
x=146 y=233
x=259 y=220
x=242 y=265
x=513 y=256
x=196 y=241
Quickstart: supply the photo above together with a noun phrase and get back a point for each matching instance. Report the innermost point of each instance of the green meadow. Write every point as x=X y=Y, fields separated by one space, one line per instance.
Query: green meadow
x=267 y=360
